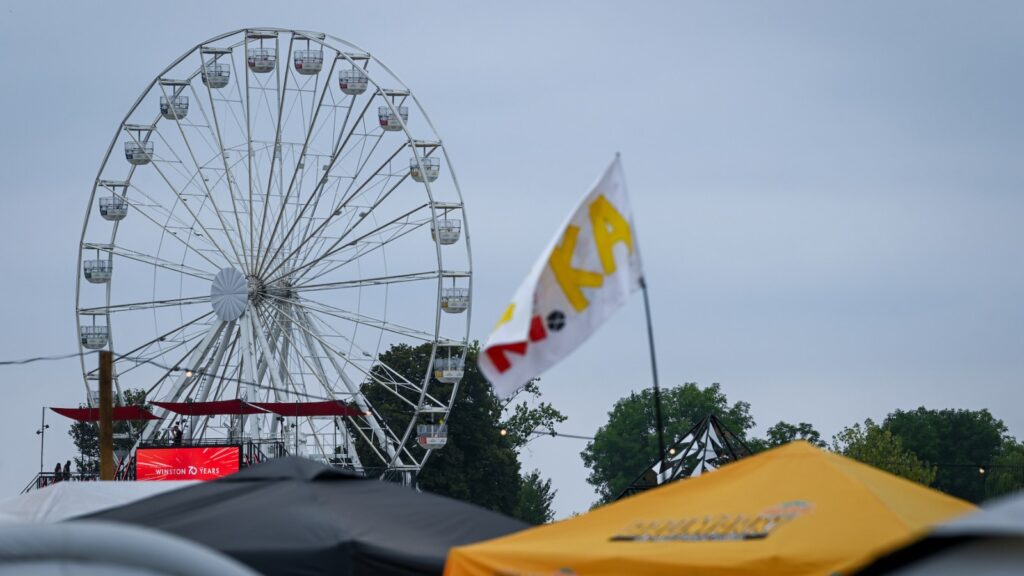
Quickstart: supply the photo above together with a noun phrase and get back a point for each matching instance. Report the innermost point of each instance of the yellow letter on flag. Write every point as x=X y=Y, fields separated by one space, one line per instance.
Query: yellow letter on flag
x=586 y=273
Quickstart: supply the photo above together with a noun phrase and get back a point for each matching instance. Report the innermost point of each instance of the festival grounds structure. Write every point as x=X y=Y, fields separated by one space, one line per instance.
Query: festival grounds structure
x=274 y=212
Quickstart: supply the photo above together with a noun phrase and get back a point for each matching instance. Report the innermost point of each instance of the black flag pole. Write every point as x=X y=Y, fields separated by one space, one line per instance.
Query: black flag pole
x=654 y=371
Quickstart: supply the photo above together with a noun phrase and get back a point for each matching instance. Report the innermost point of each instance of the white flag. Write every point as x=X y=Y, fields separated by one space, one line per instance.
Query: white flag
x=587 y=272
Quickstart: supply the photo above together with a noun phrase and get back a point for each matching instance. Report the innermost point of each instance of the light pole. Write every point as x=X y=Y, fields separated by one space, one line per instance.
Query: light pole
x=42 y=439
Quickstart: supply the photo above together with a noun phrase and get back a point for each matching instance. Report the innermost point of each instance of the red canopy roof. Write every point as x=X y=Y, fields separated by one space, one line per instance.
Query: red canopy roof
x=93 y=414
x=325 y=408
x=216 y=408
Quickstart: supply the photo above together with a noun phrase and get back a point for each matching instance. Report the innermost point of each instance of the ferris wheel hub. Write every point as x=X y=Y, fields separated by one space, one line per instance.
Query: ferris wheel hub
x=229 y=294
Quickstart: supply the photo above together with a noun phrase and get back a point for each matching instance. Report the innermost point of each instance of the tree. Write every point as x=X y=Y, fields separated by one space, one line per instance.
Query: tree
x=784 y=433
x=526 y=421
x=535 y=497
x=878 y=447
x=958 y=442
x=1006 y=472
x=86 y=435
x=478 y=464
x=628 y=444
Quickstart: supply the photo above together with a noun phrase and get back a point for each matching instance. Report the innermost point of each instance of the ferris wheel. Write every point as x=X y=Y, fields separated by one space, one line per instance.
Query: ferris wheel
x=274 y=213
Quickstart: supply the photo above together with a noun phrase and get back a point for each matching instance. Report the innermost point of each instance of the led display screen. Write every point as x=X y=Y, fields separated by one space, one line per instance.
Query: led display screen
x=203 y=463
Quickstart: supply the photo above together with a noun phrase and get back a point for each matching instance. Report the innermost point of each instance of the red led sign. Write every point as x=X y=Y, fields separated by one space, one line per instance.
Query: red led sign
x=204 y=463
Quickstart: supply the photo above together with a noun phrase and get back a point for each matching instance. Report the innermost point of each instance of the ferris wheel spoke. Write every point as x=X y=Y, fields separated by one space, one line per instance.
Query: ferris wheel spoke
x=129 y=254
x=277 y=149
x=321 y=183
x=306 y=326
x=171 y=222
x=302 y=155
x=365 y=320
x=301 y=273
x=209 y=194
x=194 y=362
x=362 y=215
x=145 y=345
x=138 y=208
x=184 y=203
x=400 y=379
x=112 y=308
x=216 y=133
x=370 y=281
x=403 y=381
x=337 y=210
x=383 y=434
x=140 y=362
x=315 y=366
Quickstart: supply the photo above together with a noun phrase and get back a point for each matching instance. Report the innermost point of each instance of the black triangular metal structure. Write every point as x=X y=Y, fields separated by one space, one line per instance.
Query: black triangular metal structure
x=709 y=445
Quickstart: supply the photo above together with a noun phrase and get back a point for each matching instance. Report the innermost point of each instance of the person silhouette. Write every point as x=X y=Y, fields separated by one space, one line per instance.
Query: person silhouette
x=67 y=470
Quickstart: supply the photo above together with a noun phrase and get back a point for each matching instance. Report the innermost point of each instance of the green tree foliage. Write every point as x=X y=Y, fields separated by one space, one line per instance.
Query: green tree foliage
x=878 y=447
x=86 y=435
x=478 y=464
x=628 y=444
x=1006 y=472
x=528 y=419
x=958 y=442
x=535 y=497
x=784 y=433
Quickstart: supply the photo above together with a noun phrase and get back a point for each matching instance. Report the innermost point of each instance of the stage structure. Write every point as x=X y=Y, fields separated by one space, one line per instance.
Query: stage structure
x=709 y=445
x=274 y=213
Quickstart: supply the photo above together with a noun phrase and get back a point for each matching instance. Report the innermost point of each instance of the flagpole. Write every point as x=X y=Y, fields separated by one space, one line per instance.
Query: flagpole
x=654 y=371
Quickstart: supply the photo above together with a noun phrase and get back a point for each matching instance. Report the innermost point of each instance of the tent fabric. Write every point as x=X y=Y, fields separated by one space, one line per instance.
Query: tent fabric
x=296 y=409
x=93 y=414
x=793 y=510
x=294 y=516
x=214 y=408
x=105 y=549
x=66 y=499
x=988 y=542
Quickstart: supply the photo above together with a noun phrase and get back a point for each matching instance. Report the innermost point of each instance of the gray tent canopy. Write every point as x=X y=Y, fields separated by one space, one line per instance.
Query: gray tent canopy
x=988 y=542
x=296 y=516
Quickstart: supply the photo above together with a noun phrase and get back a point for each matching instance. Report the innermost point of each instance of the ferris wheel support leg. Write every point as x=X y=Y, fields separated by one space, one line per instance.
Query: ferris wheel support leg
x=277 y=379
x=261 y=370
x=378 y=432
x=248 y=385
x=281 y=330
x=211 y=374
x=265 y=367
x=152 y=429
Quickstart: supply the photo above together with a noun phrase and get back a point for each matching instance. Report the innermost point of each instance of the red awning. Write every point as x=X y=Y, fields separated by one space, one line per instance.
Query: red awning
x=93 y=414
x=220 y=407
x=325 y=408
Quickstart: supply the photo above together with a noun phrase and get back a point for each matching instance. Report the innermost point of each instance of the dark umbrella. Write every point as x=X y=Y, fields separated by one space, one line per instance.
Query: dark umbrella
x=296 y=516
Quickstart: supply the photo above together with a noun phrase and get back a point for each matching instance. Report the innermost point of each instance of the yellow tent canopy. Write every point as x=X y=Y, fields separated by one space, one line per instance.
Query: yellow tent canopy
x=792 y=510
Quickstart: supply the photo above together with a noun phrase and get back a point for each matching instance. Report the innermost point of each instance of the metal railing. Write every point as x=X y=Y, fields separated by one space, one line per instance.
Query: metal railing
x=44 y=479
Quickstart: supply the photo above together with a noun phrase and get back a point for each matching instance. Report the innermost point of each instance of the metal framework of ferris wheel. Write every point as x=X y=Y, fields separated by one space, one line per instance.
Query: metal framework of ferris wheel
x=277 y=224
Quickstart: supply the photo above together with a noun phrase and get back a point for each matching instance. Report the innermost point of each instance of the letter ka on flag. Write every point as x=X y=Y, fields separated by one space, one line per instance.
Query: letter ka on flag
x=585 y=275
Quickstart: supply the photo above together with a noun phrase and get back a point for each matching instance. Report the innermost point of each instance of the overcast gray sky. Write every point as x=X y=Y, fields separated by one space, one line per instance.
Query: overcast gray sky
x=828 y=194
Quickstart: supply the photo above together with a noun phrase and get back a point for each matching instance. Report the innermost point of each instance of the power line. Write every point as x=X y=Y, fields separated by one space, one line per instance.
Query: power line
x=41 y=359
x=555 y=433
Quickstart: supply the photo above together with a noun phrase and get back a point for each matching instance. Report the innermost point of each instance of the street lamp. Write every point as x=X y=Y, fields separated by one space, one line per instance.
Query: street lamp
x=42 y=439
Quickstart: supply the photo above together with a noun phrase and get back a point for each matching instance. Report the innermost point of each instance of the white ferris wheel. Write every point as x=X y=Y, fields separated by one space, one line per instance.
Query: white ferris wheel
x=273 y=214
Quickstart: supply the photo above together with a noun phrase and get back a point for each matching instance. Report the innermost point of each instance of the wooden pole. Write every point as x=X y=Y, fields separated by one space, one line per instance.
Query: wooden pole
x=106 y=415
